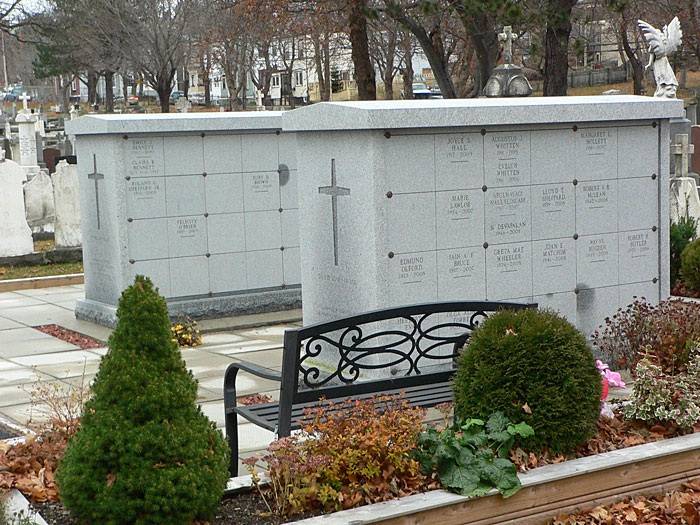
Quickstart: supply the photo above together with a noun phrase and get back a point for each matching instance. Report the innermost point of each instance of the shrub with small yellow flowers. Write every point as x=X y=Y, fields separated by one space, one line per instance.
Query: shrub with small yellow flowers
x=185 y=332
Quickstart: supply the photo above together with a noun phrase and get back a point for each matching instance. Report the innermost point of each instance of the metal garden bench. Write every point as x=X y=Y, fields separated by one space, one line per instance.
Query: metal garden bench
x=409 y=350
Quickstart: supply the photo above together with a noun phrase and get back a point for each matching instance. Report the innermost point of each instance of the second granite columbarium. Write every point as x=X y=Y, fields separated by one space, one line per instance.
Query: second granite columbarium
x=205 y=205
x=562 y=201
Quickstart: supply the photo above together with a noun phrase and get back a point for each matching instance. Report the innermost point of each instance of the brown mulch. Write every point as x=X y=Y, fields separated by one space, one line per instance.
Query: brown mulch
x=613 y=434
x=682 y=290
x=245 y=508
x=70 y=336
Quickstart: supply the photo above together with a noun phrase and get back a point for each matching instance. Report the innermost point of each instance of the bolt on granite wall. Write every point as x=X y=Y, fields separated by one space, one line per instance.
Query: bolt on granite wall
x=560 y=201
x=205 y=205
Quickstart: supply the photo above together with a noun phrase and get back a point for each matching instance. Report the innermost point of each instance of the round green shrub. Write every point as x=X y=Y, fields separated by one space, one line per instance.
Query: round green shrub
x=690 y=265
x=536 y=367
x=144 y=453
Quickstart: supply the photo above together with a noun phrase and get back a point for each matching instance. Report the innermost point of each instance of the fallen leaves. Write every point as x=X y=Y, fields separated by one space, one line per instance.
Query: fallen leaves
x=254 y=399
x=678 y=506
x=30 y=466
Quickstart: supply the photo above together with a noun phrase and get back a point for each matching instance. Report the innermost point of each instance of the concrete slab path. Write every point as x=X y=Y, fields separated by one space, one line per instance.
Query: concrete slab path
x=28 y=356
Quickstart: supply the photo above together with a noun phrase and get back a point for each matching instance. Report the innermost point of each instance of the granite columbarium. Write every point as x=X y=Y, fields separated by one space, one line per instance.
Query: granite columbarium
x=561 y=201
x=204 y=204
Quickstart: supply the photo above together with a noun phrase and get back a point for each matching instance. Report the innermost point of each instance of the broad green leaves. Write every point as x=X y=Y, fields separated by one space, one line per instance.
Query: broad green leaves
x=473 y=458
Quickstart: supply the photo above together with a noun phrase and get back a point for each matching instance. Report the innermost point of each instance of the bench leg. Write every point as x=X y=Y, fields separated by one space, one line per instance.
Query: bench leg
x=232 y=437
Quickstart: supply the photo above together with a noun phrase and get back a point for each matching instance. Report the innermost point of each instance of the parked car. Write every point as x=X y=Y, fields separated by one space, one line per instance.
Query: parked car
x=133 y=100
x=420 y=91
x=9 y=97
x=175 y=95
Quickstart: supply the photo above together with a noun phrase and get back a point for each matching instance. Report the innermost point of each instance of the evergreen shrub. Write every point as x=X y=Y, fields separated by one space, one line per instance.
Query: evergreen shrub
x=681 y=234
x=144 y=453
x=535 y=367
x=690 y=265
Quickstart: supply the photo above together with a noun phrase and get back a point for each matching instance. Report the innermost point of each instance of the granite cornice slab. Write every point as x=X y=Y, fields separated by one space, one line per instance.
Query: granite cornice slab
x=174 y=123
x=446 y=113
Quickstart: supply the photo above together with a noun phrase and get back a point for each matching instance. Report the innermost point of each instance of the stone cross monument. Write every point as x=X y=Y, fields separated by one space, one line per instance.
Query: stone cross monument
x=682 y=151
x=507 y=38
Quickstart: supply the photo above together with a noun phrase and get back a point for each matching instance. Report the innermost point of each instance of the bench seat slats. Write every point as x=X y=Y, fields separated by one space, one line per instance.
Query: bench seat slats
x=266 y=414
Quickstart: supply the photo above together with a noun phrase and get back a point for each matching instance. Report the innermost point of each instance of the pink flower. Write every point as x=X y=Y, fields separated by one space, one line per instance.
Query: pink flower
x=614 y=379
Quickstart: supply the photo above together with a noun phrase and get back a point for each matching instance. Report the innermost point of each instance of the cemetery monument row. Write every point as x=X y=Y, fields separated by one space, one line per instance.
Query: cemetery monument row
x=205 y=205
x=561 y=201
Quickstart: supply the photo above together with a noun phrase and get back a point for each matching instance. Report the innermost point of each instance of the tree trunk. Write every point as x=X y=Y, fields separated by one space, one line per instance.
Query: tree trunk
x=109 y=91
x=482 y=33
x=327 y=67
x=556 y=65
x=364 y=72
x=319 y=63
x=436 y=61
x=244 y=87
x=637 y=68
x=205 y=80
x=164 y=87
x=92 y=86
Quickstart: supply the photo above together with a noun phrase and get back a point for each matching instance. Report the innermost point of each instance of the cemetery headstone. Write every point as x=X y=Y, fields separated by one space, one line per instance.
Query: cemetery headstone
x=507 y=79
x=695 y=141
x=49 y=155
x=15 y=235
x=684 y=199
x=67 y=210
x=27 y=142
x=183 y=105
x=204 y=204
x=561 y=201
x=38 y=198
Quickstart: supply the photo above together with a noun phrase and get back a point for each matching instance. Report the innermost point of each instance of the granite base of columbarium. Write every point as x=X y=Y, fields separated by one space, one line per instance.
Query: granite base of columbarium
x=203 y=204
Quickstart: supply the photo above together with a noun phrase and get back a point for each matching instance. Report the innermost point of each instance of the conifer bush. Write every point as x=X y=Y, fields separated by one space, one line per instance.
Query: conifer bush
x=535 y=367
x=144 y=453
x=690 y=265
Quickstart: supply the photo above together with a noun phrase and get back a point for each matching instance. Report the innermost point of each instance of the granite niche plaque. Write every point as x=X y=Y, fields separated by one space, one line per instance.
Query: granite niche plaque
x=559 y=201
x=205 y=205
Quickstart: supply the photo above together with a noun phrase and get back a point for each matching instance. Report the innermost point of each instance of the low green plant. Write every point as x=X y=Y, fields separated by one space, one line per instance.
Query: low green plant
x=144 y=452
x=659 y=332
x=690 y=265
x=348 y=454
x=534 y=366
x=681 y=233
x=659 y=397
x=473 y=458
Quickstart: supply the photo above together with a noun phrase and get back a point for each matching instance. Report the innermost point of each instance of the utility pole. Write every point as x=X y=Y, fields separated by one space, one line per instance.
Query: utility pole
x=4 y=57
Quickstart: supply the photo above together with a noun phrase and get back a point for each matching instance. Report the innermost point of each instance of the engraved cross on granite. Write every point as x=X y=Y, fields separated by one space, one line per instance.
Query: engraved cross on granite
x=96 y=177
x=507 y=38
x=681 y=150
x=334 y=191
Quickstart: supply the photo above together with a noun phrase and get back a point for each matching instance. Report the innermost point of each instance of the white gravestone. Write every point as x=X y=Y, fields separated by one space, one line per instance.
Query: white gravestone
x=38 y=198
x=204 y=204
x=684 y=191
x=26 y=124
x=15 y=234
x=559 y=201
x=67 y=205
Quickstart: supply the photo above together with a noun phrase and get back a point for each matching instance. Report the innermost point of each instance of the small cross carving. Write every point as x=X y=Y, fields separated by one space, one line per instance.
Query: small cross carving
x=24 y=98
x=334 y=191
x=681 y=149
x=507 y=37
x=96 y=177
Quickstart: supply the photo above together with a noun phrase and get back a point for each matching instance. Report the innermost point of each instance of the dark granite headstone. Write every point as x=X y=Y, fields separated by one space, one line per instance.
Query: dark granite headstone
x=695 y=141
x=50 y=155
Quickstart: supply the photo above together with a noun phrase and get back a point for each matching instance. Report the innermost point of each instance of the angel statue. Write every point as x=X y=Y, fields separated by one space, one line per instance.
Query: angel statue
x=661 y=46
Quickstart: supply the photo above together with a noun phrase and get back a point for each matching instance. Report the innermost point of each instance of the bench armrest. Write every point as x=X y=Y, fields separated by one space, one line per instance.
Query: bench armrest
x=232 y=372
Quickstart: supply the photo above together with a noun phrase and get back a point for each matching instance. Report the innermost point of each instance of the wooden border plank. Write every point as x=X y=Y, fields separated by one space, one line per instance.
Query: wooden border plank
x=33 y=283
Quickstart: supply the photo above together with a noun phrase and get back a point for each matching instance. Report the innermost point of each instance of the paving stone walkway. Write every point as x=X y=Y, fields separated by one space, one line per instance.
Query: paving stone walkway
x=27 y=354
